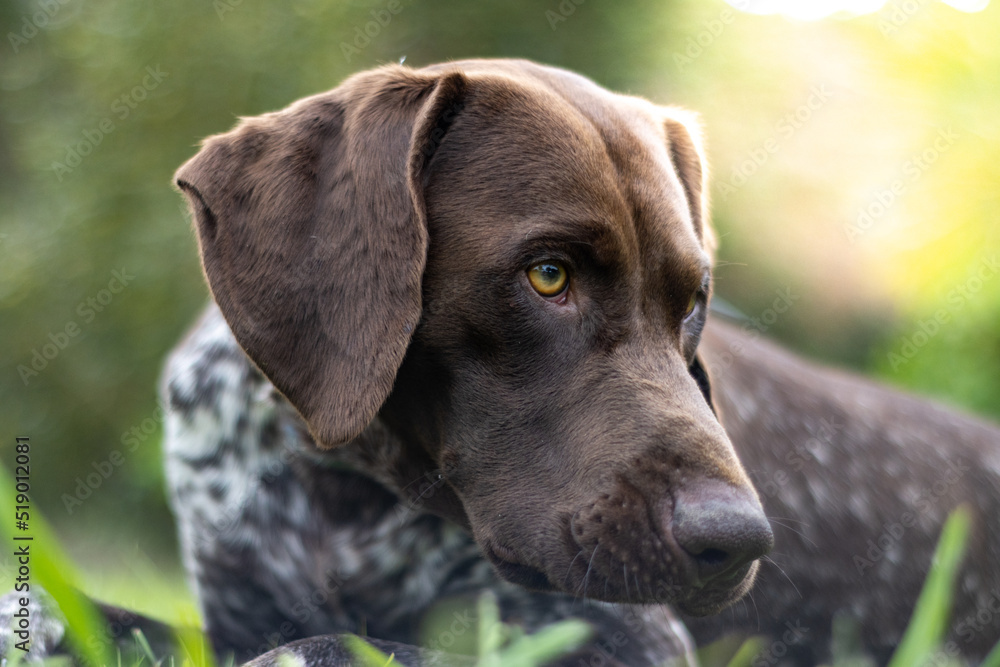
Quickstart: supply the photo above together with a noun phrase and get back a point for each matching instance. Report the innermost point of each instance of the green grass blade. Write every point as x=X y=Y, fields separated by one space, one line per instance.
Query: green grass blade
x=547 y=644
x=746 y=653
x=143 y=643
x=193 y=647
x=52 y=570
x=366 y=654
x=993 y=659
x=490 y=630
x=930 y=617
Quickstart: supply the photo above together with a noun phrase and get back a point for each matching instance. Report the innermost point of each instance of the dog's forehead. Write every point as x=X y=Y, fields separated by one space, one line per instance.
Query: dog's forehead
x=536 y=156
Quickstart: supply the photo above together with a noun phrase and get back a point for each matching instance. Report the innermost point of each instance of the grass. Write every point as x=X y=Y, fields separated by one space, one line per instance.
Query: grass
x=923 y=642
x=497 y=644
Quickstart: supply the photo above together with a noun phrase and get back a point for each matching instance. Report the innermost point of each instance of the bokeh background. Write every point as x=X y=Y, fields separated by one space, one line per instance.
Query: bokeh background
x=855 y=161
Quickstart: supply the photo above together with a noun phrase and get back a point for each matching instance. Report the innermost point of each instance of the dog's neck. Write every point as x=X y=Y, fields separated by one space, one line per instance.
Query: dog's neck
x=403 y=468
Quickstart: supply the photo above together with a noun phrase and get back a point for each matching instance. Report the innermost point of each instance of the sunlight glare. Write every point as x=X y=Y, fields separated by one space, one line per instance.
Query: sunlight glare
x=813 y=10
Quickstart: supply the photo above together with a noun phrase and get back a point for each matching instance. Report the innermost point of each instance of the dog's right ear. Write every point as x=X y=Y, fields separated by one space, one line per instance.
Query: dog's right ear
x=688 y=157
x=313 y=237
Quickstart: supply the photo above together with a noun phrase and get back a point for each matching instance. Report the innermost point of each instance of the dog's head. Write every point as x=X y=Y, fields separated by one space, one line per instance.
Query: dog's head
x=510 y=266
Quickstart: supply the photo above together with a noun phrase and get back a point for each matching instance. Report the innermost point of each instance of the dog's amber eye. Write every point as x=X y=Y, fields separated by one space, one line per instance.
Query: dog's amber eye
x=548 y=278
x=691 y=304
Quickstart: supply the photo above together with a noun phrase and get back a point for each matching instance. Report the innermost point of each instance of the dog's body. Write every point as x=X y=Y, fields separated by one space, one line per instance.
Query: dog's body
x=303 y=543
x=286 y=542
x=480 y=287
x=857 y=480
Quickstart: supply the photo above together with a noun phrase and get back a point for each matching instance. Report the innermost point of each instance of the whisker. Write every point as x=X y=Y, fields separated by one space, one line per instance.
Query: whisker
x=570 y=568
x=783 y=573
x=755 y=610
x=788 y=518
x=797 y=532
x=590 y=565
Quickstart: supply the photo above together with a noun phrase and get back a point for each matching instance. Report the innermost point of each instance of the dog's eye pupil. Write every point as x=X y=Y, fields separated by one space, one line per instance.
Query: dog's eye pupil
x=548 y=278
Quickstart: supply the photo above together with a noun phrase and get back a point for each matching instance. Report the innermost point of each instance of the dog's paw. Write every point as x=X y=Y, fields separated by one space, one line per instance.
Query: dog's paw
x=31 y=626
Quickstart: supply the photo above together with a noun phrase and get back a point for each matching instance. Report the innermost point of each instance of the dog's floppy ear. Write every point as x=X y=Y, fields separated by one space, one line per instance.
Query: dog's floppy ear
x=688 y=157
x=313 y=237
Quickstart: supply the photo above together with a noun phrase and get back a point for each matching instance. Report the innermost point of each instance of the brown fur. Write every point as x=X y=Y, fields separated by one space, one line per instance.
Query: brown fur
x=573 y=439
x=368 y=248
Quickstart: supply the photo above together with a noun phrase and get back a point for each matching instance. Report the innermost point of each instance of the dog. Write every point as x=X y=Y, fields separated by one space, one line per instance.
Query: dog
x=460 y=343
x=472 y=295
x=351 y=242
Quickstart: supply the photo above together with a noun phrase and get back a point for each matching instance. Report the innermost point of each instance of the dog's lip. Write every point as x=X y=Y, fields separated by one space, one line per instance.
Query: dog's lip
x=505 y=553
x=512 y=568
x=717 y=595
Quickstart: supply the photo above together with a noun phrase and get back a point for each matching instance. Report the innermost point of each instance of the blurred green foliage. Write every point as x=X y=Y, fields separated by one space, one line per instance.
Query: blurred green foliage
x=136 y=84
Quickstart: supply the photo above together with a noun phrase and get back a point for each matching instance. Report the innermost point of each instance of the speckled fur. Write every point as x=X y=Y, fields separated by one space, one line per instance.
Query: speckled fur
x=857 y=480
x=331 y=235
x=837 y=460
x=283 y=541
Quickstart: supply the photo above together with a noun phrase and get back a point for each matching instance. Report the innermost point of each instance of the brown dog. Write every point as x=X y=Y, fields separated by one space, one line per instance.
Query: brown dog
x=566 y=418
x=494 y=275
x=507 y=267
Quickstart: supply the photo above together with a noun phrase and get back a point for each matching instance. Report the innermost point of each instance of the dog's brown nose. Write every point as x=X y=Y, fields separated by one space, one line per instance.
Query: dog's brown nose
x=721 y=528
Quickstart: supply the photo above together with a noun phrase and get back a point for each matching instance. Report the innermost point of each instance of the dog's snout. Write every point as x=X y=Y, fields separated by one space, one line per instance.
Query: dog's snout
x=721 y=528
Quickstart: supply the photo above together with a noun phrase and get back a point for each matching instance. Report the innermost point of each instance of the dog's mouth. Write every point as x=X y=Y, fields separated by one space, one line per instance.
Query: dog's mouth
x=693 y=599
x=720 y=594
x=696 y=548
x=513 y=569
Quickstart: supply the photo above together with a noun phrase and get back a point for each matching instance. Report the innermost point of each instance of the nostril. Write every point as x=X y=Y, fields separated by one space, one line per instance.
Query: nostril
x=720 y=528
x=712 y=557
